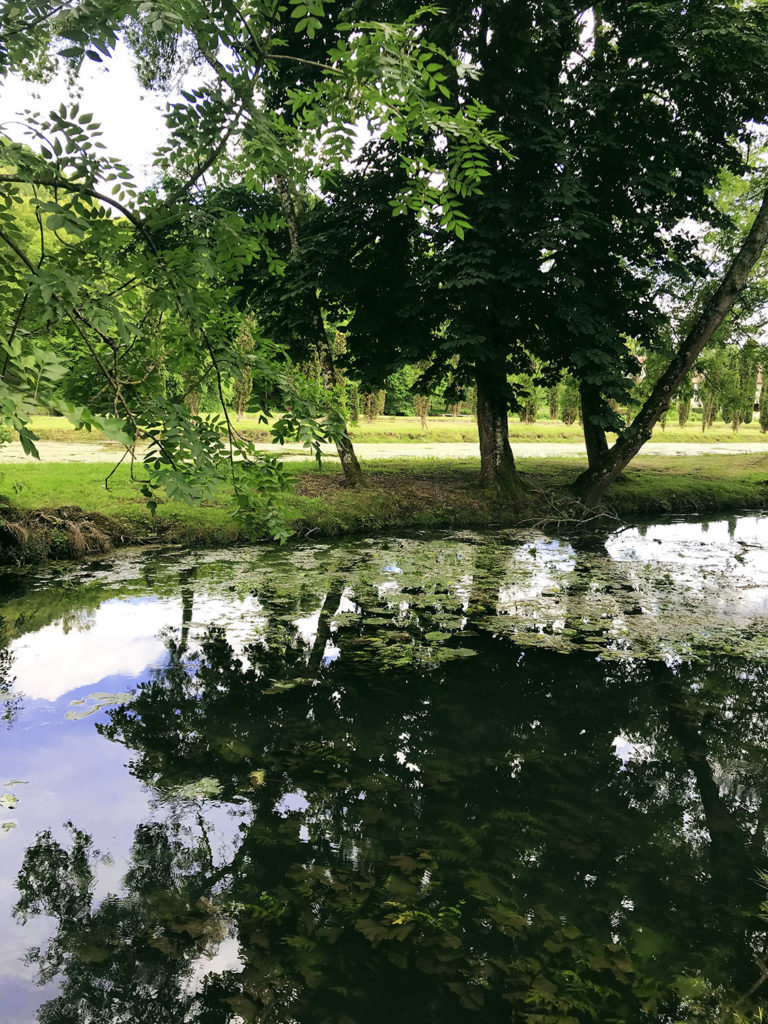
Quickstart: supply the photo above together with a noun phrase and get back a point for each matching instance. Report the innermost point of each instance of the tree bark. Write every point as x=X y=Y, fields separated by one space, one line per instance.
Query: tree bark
x=594 y=436
x=592 y=484
x=353 y=474
x=497 y=464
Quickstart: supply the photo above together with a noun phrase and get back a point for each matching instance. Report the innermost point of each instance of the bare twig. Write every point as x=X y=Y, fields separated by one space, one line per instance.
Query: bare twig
x=115 y=468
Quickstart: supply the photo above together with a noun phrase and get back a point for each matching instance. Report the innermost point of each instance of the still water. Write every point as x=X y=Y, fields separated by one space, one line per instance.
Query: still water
x=469 y=778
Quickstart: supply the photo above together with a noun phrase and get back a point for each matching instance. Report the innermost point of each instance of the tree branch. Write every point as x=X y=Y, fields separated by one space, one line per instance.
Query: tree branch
x=57 y=181
x=12 y=245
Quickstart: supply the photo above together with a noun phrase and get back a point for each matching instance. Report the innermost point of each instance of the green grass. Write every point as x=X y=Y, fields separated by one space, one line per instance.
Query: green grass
x=440 y=429
x=34 y=486
x=402 y=494
x=672 y=485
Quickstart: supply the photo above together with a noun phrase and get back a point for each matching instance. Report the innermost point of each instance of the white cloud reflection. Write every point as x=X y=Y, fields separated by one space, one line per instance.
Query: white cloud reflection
x=123 y=637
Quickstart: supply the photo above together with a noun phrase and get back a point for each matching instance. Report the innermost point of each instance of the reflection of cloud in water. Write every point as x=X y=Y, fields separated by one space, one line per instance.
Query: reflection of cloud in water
x=225 y=959
x=463 y=591
x=291 y=802
x=538 y=568
x=738 y=546
x=122 y=638
x=626 y=749
x=306 y=626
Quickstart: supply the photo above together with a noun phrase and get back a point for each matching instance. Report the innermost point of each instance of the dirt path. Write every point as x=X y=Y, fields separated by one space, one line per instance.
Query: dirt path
x=543 y=450
x=62 y=451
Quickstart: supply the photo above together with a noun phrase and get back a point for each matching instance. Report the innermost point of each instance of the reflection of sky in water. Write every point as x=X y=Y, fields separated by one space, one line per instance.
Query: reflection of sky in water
x=306 y=626
x=106 y=803
x=738 y=546
x=626 y=749
x=56 y=758
x=225 y=958
x=537 y=568
x=658 y=572
x=121 y=636
x=651 y=572
x=110 y=649
x=114 y=647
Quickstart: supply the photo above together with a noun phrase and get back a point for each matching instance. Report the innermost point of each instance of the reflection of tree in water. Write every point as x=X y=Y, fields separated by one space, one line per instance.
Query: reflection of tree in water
x=10 y=702
x=124 y=960
x=424 y=842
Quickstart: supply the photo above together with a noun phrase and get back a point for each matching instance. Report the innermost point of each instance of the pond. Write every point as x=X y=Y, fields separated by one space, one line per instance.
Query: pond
x=497 y=777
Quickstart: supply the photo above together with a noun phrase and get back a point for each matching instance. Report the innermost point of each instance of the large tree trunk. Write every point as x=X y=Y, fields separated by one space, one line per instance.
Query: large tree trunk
x=497 y=464
x=592 y=484
x=594 y=436
x=353 y=474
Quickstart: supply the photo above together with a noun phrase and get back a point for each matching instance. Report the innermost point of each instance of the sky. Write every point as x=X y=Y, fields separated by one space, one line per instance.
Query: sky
x=130 y=117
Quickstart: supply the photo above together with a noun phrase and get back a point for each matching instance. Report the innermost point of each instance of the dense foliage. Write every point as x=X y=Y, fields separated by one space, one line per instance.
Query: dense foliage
x=490 y=202
x=120 y=307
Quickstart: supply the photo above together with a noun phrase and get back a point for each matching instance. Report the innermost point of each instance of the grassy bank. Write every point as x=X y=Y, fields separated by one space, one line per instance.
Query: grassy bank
x=61 y=510
x=440 y=429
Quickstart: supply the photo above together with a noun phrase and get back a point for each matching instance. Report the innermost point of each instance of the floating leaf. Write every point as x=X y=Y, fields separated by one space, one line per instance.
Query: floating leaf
x=205 y=788
x=100 y=701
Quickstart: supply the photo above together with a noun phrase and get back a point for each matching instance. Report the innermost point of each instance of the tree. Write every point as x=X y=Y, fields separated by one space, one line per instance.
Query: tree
x=684 y=401
x=562 y=259
x=553 y=401
x=175 y=255
x=244 y=384
x=398 y=392
x=592 y=484
x=764 y=407
x=569 y=401
x=353 y=402
x=373 y=404
x=421 y=404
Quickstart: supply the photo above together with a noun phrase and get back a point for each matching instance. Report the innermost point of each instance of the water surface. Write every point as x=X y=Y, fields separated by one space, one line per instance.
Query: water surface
x=477 y=777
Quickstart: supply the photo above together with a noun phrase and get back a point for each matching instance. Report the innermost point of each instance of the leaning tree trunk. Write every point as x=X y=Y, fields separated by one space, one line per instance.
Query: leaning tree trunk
x=592 y=484
x=353 y=474
x=497 y=464
x=729 y=847
x=594 y=436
